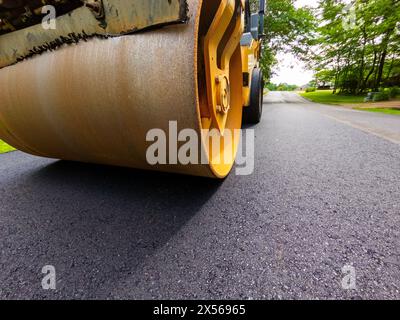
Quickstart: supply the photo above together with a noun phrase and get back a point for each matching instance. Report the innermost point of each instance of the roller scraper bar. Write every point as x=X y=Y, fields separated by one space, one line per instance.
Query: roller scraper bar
x=22 y=33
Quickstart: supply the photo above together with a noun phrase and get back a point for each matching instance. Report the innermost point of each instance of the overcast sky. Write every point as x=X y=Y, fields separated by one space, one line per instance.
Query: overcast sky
x=289 y=69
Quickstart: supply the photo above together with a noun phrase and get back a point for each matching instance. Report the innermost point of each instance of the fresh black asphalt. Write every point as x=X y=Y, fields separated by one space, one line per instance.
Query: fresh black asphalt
x=323 y=195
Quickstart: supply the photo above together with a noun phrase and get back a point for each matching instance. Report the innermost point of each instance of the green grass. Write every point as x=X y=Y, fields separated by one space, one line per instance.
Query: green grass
x=326 y=97
x=387 y=111
x=4 y=147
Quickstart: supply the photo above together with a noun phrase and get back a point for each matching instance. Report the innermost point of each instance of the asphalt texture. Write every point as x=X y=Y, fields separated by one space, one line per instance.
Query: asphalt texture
x=324 y=194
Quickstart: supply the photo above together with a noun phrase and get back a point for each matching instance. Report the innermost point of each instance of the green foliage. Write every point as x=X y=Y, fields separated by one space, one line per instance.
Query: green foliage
x=391 y=111
x=394 y=92
x=352 y=45
x=313 y=83
x=286 y=87
x=287 y=28
x=271 y=87
x=381 y=96
x=358 y=45
x=311 y=89
x=327 y=97
x=281 y=87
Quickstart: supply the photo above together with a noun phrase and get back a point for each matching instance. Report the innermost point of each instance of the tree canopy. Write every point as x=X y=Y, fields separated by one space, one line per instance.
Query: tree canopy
x=354 y=46
x=358 y=44
x=287 y=28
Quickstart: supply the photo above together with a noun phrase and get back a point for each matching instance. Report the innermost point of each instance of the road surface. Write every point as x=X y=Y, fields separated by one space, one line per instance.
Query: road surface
x=324 y=196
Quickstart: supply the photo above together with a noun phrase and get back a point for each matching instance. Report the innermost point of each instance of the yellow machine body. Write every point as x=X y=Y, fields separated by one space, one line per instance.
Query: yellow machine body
x=250 y=61
x=96 y=100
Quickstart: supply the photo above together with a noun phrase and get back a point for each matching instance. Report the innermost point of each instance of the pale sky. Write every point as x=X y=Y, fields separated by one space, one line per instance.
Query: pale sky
x=290 y=69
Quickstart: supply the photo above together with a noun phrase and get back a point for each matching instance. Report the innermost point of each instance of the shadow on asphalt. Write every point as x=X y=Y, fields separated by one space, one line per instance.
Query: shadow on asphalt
x=90 y=217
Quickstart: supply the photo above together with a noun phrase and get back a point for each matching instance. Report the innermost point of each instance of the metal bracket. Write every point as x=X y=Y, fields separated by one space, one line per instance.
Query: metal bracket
x=217 y=67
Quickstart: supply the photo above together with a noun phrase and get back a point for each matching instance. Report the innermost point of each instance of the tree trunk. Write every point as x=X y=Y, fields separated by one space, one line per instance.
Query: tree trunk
x=362 y=64
x=380 y=70
x=385 y=44
x=365 y=82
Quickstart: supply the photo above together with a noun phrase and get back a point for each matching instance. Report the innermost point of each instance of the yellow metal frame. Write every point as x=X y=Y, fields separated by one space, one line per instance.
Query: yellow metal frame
x=250 y=58
x=217 y=69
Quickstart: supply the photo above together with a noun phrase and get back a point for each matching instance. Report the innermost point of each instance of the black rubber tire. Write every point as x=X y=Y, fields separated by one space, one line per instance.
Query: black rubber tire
x=253 y=113
x=247 y=16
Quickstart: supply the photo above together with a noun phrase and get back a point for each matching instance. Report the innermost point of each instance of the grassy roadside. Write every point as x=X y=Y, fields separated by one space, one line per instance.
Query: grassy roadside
x=353 y=102
x=326 y=96
x=4 y=147
x=380 y=110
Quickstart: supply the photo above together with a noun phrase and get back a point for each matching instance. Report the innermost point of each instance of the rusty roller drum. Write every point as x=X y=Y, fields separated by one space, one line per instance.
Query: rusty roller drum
x=95 y=101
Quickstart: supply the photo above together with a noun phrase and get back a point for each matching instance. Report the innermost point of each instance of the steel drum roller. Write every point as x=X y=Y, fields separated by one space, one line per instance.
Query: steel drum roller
x=95 y=101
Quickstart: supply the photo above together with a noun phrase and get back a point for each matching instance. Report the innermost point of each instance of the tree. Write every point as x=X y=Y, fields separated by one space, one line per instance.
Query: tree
x=355 y=43
x=287 y=28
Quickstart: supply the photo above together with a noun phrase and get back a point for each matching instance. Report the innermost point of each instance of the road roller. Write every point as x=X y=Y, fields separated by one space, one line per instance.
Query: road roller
x=87 y=80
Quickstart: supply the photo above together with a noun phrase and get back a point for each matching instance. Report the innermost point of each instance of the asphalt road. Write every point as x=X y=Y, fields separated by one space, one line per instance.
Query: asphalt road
x=325 y=194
